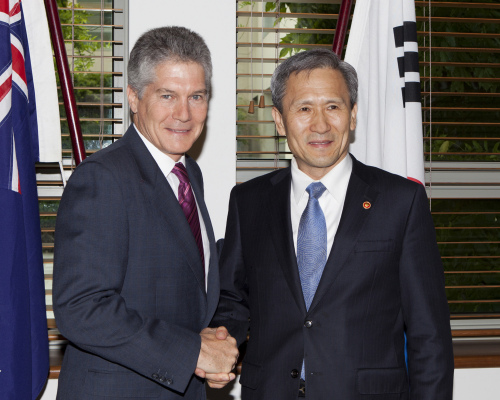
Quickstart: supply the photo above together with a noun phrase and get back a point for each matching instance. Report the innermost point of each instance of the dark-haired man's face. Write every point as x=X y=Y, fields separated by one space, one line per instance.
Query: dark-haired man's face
x=173 y=109
x=316 y=119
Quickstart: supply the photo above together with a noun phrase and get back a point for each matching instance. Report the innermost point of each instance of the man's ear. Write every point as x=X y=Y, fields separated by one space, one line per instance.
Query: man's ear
x=278 y=120
x=133 y=99
x=354 y=113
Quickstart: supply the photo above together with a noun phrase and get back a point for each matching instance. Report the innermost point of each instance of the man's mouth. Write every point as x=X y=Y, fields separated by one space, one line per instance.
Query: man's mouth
x=178 y=130
x=320 y=142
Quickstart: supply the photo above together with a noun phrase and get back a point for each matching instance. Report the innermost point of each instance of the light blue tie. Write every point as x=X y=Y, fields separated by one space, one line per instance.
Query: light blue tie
x=311 y=246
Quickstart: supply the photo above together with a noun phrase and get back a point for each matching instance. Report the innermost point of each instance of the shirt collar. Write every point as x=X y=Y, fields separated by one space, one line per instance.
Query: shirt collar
x=335 y=181
x=165 y=163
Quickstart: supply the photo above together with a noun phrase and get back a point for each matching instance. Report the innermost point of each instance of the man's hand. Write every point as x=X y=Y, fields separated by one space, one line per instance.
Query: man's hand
x=218 y=381
x=218 y=356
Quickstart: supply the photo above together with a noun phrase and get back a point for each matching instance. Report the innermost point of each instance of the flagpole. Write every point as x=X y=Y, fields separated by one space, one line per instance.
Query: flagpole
x=65 y=81
x=340 y=31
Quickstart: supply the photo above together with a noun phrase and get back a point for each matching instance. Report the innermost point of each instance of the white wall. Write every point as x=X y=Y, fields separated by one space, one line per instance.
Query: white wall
x=50 y=390
x=477 y=383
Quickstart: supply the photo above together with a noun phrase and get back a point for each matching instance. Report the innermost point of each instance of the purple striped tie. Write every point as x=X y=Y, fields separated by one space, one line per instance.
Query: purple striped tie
x=188 y=204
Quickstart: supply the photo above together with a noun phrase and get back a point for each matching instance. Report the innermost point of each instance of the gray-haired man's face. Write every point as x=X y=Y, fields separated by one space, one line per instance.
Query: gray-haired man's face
x=173 y=109
x=317 y=119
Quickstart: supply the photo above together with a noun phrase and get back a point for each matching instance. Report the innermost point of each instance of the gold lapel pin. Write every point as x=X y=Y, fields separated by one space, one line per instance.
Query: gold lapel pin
x=367 y=205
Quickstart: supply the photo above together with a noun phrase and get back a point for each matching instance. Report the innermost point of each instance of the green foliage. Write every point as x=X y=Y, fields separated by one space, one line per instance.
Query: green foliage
x=460 y=224
x=462 y=149
x=47 y=222
x=48 y=206
x=463 y=41
x=83 y=40
x=83 y=44
x=311 y=23
x=482 y=81
x=89 y=81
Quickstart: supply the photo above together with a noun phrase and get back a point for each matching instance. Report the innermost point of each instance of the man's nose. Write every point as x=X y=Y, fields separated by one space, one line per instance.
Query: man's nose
x=182 y=111
x=320 y=123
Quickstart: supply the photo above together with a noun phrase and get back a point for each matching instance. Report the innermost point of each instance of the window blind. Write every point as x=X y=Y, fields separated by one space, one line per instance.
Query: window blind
x=459 y=48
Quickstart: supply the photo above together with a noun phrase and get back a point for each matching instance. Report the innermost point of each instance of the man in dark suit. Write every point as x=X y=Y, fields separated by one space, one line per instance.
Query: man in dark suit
x=136 y=268
x=331 y=262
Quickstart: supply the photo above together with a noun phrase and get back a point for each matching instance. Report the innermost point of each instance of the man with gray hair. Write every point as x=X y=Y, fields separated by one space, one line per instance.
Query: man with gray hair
x=332 y=263
x=136 y=278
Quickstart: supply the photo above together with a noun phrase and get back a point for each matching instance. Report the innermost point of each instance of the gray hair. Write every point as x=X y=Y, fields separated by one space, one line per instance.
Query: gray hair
x=170 y=43
x=308 y=61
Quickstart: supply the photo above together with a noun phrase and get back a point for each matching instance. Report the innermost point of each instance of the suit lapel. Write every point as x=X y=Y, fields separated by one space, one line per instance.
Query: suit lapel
x=351 y=224
x=161 y=197
x=281 y=233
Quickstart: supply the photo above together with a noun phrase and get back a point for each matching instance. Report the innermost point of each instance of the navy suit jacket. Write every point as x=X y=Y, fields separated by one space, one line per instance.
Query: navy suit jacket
x=383 y=278
x=129 y=290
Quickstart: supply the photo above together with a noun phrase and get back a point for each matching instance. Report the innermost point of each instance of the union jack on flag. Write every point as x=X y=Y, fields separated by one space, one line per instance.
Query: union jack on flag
x=13 y=72
x=24 y=363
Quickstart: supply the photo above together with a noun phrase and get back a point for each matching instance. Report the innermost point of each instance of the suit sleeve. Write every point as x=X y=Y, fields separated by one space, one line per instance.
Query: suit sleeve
x=90 y=263
x=233 y=310
x=425 y=308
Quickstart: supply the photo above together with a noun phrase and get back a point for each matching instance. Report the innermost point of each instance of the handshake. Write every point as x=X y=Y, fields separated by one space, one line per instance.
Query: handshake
x=218 y=357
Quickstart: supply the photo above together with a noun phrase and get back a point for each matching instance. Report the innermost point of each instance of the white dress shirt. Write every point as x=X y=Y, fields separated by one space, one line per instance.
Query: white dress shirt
x=331 y=201
x=166 y=165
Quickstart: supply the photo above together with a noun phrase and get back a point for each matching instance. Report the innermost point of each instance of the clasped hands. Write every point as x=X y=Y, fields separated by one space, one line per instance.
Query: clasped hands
x=218 y=357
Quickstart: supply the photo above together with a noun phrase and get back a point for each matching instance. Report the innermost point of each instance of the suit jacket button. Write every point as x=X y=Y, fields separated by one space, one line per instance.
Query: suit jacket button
x=169 y=381
x=155 y=376
x=308 y=324
x=294 y=373
x=162 y=379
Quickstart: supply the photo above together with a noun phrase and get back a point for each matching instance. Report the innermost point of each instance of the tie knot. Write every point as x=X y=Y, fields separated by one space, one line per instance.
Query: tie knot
x=180 y=171
x=315 y=189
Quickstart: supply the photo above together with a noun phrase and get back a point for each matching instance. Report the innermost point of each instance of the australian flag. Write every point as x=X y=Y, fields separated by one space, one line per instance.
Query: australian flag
x=24 y=360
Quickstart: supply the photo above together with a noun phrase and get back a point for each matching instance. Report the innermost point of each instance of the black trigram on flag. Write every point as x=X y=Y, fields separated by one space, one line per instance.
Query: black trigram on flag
x=409 y=61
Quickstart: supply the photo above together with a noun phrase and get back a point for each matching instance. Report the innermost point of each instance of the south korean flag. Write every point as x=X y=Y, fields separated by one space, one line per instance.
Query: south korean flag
x=383 y=49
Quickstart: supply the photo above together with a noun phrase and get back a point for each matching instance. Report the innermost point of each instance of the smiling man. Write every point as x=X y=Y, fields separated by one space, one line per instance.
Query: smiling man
x=330 y=263
x=136 y=278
